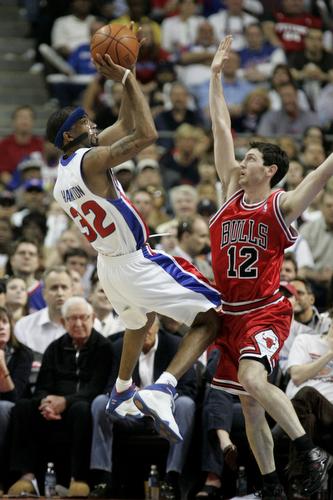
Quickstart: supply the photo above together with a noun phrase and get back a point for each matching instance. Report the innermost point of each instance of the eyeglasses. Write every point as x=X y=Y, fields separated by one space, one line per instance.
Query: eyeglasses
x=80 y=317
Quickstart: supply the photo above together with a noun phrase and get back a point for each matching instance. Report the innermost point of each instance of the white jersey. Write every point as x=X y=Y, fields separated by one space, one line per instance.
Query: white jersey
x=113 y=227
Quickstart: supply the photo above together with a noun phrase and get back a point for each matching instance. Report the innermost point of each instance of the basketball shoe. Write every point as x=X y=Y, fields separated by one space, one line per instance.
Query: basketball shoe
x=273 y=492
x=157 y=401
x=316 y=463
x=121 y=403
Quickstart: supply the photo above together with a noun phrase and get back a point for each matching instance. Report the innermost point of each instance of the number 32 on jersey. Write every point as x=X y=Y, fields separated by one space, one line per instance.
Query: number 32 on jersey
x=97 y=228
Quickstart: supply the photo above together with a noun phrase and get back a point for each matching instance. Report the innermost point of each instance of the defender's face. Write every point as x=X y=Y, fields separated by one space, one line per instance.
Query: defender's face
x=252 y=169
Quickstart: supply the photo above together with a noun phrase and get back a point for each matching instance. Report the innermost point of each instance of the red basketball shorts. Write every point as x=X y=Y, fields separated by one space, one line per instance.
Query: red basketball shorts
x=257 y=335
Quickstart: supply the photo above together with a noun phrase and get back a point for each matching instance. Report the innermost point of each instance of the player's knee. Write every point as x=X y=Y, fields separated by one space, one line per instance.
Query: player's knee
x=251 y=383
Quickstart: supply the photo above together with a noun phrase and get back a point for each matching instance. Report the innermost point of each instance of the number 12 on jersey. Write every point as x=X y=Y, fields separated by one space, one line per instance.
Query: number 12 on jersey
x=241 y=262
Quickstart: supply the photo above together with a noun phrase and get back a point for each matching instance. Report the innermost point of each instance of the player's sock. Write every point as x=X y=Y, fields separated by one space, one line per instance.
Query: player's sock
x=271 y=478
x=167 y=378
x=303 y=444
x=123 y=385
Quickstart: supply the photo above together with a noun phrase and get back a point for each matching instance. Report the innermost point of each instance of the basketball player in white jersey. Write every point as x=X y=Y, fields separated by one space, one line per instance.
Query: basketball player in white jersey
x=137 y=280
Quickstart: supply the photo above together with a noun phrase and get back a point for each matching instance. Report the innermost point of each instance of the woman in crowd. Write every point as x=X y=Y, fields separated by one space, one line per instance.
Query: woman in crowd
x=16 y=298
x=15 y=366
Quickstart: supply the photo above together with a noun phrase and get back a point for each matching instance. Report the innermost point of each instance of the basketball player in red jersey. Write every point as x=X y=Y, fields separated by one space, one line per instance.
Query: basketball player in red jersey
x=249 y=235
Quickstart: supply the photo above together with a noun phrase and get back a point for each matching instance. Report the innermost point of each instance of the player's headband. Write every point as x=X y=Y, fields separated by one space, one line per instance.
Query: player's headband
x=75 y=115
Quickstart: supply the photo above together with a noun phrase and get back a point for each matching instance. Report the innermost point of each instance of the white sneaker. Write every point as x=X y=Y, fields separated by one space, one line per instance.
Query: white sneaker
x=122 y=405
x=157 y=401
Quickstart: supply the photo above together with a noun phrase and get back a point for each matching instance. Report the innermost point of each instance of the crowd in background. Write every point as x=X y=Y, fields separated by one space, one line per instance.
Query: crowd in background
x=278 y=84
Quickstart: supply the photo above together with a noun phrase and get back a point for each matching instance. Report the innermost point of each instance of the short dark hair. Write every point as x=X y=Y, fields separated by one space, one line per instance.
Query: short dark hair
x=75 y=252
x=306 y=283
x=56 y=120
x=26 y=107
x=273 y=155
x=289 y=256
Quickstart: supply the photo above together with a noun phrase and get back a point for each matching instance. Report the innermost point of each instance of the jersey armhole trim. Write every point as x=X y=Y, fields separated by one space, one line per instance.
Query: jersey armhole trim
x=290 y=233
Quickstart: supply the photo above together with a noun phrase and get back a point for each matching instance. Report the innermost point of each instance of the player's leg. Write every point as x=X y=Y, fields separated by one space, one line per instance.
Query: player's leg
x=121 y=398
x=253 y=377
x=261 y=443
x=157 y=400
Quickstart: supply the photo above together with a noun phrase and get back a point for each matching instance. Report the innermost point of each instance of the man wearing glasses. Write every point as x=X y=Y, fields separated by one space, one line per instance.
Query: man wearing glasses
x=75 y=369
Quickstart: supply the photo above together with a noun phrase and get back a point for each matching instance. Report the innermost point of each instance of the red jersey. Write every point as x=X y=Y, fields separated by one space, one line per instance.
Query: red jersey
x=248 y=243
x=291 y=30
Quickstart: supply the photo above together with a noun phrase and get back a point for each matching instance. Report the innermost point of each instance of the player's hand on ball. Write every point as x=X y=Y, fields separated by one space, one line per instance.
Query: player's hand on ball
x=108 y=68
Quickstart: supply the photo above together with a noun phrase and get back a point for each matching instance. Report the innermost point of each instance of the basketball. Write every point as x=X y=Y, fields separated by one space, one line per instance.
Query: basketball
x=118 y=41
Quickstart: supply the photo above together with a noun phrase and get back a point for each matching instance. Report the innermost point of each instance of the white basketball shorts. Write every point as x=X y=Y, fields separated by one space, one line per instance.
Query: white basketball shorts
x=147 y=281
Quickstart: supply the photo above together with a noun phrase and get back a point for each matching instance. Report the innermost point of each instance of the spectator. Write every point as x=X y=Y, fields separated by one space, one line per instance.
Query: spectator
x=73 y=30
x=195 y=60
x=313 y=67
x=310 y=387
x=108 y=319
x=34 y=227
x=125 y=173
x=232 y=21
x=183 y=201
x=25 y=262
x=77 y=259
x=16 y=298
x=235 y=88
x=6 y=238
x=255 y=104
x=137 y=12
x=179 y=31
x=143 y=201
x=287 y=26
x=29 y=168
x=39 y=329
x=312 y=156
x=7 y=204
x=33 y=198
x=281 y=75
x=304 y=310
x=68 y=239
x=157 y=351
x=102 y=101
x=296 y=328
x=319 y=235
x=148 y=174
x=150 y=56
x=289 y=145
x=291 y=119
x=294 y=176
x=180 y=165
x=259 y=57
x=20 y=143
x=193 y=240
x=289 y=267
x=179 y=113
x=15 y=366
x=74 y=370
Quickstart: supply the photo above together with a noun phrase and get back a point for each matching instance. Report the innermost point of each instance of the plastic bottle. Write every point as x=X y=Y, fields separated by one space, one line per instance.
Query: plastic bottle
x=50 y=481
x=241 y=483
x=154 y=483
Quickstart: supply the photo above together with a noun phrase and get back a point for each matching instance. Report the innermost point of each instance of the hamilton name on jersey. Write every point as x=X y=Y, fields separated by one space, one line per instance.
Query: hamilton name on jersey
x=244 y=231
x=73 y=193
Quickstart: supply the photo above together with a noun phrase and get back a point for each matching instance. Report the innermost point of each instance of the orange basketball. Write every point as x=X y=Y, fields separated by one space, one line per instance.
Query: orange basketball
x=118 y=41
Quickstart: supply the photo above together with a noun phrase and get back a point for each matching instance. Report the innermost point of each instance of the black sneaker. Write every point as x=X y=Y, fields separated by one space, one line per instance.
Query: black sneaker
x=102 y=490
x=316 y=463
x=273 y=492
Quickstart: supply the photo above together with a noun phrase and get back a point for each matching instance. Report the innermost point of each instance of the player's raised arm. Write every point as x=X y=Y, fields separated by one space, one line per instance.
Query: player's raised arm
x=144 y=133
x=226 y=165
x=125 y=122
x=294 y=202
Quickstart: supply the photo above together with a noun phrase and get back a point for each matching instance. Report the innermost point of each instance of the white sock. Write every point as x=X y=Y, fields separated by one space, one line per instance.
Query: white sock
x=167 y=378
x=123 y=385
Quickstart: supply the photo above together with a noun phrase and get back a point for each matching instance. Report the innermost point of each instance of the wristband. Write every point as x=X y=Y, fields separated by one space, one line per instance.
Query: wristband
x=127 y=72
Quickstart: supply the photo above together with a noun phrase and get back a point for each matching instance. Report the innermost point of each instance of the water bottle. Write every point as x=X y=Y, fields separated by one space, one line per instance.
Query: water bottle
x=241 y=483
x=153 y=483
x=50 y=481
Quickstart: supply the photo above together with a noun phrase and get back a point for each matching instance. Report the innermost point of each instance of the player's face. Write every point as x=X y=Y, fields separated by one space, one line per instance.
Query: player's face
x=252 y=170
x=85 y=125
